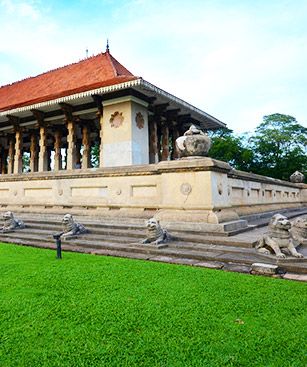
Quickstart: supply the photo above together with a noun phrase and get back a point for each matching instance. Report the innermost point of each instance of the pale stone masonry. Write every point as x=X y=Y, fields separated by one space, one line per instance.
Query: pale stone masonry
x=202 y=191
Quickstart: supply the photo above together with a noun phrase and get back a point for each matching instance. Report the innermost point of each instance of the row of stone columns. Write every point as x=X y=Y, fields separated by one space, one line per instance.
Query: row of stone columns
x=162 y=146
x=40 y=152
x=162 y=141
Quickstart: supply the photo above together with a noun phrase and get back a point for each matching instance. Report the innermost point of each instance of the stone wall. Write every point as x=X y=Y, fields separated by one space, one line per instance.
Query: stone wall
x=192 y=190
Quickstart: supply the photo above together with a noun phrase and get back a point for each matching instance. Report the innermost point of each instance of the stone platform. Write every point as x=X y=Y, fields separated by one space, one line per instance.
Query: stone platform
x=122 y=238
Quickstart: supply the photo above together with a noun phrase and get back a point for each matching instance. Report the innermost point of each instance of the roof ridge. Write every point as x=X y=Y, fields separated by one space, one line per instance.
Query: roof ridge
x=117 y=65
x=110 y=58
x=51 y=70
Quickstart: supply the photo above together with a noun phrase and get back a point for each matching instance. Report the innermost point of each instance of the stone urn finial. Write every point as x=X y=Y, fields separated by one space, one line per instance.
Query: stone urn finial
x=297 y=177
x=193 y=143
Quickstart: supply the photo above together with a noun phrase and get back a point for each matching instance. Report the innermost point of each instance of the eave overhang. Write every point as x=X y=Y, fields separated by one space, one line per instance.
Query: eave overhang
x=205 y=120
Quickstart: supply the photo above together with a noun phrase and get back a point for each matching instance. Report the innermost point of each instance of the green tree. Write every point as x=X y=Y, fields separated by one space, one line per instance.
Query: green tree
x=280 y=146
x=95 y=155
x=232 y=149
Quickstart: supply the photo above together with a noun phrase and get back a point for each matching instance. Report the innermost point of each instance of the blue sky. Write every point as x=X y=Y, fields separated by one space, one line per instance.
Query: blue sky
x=235 y=59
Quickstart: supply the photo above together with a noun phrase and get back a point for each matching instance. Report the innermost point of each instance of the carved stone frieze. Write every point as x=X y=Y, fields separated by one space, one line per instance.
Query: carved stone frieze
x=139 y=119
x=116 y=119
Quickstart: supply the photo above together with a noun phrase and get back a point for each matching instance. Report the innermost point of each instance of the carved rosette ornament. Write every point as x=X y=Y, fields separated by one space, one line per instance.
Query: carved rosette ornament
x=185 y=188
x=116 y=119
x=297 y=177
x=193 y=143
x=139 y=119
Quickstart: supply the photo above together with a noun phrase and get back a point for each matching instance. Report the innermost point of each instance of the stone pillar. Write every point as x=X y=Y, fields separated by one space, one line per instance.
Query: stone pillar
x=10 y=166
x=125 y=138
x=165 y=142
x=43 y=159
x=4 y=161
x=18 y=152
x=33 y=153
x=101 y=143
x=1 y=160
x=86 y=157
x=78 y=153
x=153 y=142
x=175 y=135
x=49 y=150
x=71 y=146
x=57 y=150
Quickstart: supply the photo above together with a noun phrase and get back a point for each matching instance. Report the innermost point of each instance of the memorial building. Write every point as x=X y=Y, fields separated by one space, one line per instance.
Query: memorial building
x=64 y=112
x=59 y=118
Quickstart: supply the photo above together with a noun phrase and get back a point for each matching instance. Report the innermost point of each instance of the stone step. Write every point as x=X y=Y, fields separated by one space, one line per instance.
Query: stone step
x=187 y=249
x=94 y=231
x=117 y=235
x=262 y=219
x=47 y=237
x=210 y=247
x=202 y=253
x=53 y=223
x=214 y=240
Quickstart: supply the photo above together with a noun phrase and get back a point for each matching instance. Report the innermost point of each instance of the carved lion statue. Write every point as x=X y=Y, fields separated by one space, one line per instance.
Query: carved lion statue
x=278 y=238
x=70 y=227
x=155 y=233
x=11 y=223
x=299 y=231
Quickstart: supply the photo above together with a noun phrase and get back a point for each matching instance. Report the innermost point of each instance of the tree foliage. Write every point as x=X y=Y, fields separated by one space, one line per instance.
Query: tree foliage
x=232 y=149
x=277 y=148
x=280 y=146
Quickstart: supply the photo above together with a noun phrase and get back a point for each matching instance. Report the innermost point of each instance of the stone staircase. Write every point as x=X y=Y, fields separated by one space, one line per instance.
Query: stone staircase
x=122 y=237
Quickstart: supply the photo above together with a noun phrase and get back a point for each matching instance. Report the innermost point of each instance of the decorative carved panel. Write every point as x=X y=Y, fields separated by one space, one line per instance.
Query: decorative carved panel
x=139 y=119
x=116 y=119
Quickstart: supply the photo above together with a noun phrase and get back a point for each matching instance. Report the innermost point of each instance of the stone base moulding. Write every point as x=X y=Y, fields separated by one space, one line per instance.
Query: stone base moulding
x=202 y=193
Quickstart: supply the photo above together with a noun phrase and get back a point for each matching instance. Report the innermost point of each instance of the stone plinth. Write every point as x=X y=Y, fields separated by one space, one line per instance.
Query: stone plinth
x=197 y=192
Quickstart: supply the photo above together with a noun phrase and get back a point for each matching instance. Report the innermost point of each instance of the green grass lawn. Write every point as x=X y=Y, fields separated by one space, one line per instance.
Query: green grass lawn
x=88 y=310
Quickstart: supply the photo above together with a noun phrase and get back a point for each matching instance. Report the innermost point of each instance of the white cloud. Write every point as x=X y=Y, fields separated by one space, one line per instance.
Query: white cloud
x=21 y=8
x=237 y=62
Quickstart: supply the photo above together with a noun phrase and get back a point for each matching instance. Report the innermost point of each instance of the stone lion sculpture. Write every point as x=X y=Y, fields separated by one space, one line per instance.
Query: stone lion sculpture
x=299 y=231
x=155 y=233
x=72 y=228
x=11 y=223
x=278 y=238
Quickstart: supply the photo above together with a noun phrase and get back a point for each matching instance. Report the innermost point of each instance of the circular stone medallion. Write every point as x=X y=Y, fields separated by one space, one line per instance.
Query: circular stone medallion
x=185 y=188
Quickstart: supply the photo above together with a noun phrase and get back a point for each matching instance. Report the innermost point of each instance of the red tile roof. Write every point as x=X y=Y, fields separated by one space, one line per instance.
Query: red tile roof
x=94 y=72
